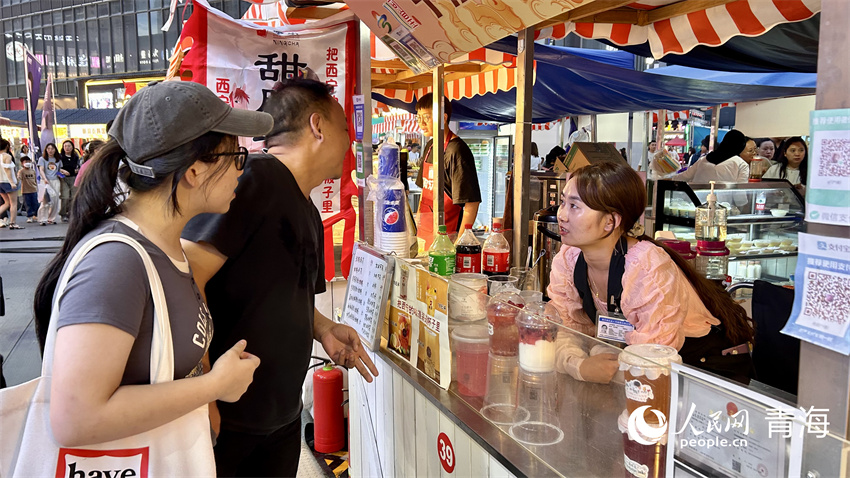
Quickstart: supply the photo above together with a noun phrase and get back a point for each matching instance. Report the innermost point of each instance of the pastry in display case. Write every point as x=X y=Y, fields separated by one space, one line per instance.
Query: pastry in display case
x=764 y=218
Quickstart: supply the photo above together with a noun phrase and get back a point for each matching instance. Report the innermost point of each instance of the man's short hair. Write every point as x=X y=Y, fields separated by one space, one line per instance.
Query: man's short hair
x=427 y=103
x=291 y=104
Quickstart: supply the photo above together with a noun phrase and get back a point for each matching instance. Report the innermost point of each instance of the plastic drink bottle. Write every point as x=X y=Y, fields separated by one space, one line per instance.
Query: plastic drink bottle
x=441 y=256
x=468 y=251
x=496 y=251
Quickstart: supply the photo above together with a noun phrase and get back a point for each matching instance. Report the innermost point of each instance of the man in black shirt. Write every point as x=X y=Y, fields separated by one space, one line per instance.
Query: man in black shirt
x=462 y=195
x=260 y=265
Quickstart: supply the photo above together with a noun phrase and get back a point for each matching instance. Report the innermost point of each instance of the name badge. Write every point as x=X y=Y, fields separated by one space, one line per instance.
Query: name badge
x=612 y=327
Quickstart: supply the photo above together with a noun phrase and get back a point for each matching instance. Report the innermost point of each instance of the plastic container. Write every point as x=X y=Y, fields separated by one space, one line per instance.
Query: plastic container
x=441 y=256
x=500 y=401
x=647 y=378
x=502 y=312
x=537 y=325
x=761 y=199
x=467 y=297
x=712 y=260
x=710 y=224
x=472 y=349
x=388 y=160
x=468 y=250
x=496 y=251
x=538 y=395
x=639 y=460
x=758 y=166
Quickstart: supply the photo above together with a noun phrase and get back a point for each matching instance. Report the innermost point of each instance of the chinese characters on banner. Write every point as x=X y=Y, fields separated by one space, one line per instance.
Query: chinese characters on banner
x=241 y=62
x=821 y=313
x=418 y=321
x=828 y=185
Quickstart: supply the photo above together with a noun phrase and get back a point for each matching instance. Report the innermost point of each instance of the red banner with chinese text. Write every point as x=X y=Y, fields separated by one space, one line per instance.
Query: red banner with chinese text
x=241 y=61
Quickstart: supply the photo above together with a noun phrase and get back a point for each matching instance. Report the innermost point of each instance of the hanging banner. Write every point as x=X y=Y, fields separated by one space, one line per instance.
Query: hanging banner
x=48 y=114
x=828 y=185
x=425 y=33
x=241 y=62
x=33 y=68
x=821 y=313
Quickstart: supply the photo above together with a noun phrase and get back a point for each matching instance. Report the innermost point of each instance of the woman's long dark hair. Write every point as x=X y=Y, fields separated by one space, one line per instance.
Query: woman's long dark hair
x=612 y=187
x=733 y=143
x=97 y=200
x=783 y=159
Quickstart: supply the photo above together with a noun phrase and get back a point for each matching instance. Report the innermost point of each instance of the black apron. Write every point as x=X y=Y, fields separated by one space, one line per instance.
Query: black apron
x=704 y=352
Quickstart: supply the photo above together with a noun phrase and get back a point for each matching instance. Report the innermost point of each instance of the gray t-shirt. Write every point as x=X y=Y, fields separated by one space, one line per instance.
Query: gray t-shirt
x=110 y=286
x=51 y=167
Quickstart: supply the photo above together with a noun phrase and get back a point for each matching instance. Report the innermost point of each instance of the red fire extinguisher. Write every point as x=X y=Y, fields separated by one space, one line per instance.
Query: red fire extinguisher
x=328 y=418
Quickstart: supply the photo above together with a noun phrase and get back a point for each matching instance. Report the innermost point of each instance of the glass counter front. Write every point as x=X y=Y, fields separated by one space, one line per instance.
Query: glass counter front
x=513 y=385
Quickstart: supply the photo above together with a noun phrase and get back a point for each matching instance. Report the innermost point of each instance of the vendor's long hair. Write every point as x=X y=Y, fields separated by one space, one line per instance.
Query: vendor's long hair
x=611 y=188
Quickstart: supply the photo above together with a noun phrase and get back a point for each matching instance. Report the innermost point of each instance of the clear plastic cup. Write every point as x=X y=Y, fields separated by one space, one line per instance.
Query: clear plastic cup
x=496 y=284
x=646 y=370
x=467 y=297
x=537 y=325
x=502 y=312
x=472 y=349
x=526 y=278
x=538 y=394
x=500 y=401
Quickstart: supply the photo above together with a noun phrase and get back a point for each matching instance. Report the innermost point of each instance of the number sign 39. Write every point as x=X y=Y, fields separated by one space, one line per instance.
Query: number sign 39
x=446 y=452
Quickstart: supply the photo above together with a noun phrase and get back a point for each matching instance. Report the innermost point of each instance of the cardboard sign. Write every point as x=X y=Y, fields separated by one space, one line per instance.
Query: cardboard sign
x=583 y=154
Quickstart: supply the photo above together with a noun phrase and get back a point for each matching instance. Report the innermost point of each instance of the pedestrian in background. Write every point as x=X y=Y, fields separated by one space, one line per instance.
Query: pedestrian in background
x=70 y=167
x=29 y=187
x=8 y=186
x=88 y=152
x=49 y=185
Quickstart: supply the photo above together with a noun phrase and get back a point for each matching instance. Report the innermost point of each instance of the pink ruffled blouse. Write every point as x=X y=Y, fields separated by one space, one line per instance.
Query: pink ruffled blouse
x=657 y=298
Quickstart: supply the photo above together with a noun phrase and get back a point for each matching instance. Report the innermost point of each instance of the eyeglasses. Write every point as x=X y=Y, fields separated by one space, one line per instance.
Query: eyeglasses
x=241 y=157
x=423 y=119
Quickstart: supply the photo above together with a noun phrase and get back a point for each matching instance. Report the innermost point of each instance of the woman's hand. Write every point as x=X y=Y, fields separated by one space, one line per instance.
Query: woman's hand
x=66 y=173
x=599 y=368
x=234 y=371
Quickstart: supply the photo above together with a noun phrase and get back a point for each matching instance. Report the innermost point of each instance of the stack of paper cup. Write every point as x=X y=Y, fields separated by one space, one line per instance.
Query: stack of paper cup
x=388 y=165
x=392 y=234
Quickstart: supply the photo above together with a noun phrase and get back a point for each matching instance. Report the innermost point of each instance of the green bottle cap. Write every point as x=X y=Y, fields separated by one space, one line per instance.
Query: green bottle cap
x=442 y=229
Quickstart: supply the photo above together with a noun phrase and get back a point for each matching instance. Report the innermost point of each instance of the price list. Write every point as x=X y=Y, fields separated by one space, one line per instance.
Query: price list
x=367 y=294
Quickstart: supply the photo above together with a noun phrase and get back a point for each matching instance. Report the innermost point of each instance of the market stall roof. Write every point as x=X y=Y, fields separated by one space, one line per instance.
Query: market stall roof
x=674 y=26
x=568 y=84
x=796 y=80
x=70 y=116
x=789 y=47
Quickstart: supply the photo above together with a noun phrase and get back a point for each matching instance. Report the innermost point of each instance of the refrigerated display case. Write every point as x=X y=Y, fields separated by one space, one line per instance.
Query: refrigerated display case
x=492 y=157
x=765 y=235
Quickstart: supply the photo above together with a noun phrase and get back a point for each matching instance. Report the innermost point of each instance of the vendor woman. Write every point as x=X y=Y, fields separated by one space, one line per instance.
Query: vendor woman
x=604 y=268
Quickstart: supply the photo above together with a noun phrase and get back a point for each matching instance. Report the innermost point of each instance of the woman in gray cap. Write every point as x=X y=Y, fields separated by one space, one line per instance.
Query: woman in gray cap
x=174 y=145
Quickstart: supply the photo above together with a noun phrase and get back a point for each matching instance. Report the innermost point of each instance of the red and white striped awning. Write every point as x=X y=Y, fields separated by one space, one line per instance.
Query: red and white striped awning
x=680 y=34
x=272 y=13
x=396 y=123
x=499 y=79
x=545 y=126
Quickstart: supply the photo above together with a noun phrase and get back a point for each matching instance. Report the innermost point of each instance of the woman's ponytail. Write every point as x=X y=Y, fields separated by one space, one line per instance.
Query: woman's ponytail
x=95 y=201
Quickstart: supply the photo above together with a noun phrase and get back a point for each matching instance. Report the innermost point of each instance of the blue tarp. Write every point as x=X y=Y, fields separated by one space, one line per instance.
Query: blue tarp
x=795 y=80
x=70 y=116
x=568 y=84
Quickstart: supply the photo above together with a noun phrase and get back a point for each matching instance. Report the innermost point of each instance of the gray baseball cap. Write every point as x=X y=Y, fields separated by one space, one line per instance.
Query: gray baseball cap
x=164 y=115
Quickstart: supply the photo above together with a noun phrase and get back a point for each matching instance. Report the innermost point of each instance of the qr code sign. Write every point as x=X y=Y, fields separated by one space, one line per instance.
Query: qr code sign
x=835 y=157
x=826 y=300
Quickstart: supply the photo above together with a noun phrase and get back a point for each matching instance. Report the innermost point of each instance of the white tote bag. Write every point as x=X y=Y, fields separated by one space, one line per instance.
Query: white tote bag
x=182 y=447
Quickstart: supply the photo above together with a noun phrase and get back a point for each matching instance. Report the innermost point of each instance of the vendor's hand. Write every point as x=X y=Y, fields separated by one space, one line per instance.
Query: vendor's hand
x=599 y=368
x=343 y=346
x=802 y=188
x=233 y=372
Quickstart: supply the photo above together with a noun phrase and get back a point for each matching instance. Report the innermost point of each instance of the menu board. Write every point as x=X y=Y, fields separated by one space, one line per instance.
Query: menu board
x=366 y=294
